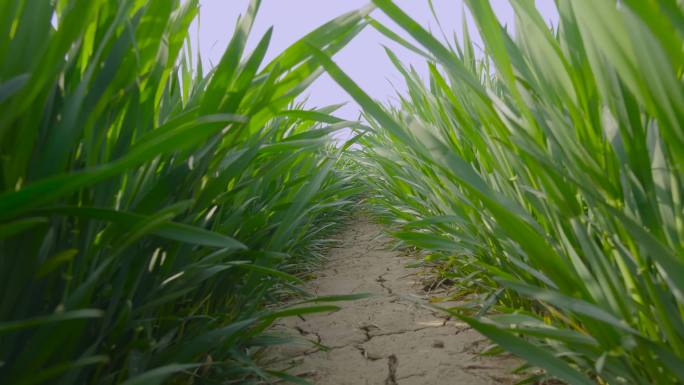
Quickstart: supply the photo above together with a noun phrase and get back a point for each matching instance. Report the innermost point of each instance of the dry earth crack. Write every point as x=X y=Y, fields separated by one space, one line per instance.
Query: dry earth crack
x=392 y=364
x=387 y=339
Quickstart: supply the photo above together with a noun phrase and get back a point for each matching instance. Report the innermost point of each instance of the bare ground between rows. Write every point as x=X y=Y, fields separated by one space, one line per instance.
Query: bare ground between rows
x=387 y=339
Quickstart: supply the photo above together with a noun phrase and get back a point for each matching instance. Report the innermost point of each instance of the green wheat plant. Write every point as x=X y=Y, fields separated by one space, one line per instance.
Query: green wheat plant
x=149 y=209
x=550 y=168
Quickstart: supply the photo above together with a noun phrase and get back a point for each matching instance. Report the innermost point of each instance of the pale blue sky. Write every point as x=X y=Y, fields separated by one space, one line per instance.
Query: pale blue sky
x=363 y=59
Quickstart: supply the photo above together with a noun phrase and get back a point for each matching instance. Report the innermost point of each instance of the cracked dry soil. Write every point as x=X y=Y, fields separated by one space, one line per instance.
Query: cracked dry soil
x=387 y=339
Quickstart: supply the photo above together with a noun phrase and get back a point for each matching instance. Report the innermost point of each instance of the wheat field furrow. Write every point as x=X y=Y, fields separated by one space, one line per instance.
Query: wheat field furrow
x=160 y=220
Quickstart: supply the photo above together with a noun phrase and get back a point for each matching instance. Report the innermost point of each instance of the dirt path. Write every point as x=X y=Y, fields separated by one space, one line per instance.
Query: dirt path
x=387 y=339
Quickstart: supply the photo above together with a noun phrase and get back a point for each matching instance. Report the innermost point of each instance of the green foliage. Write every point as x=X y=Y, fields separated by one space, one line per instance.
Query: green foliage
x=552 y=169
x=149 y=211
